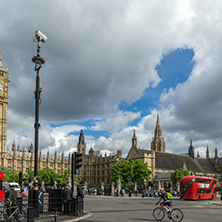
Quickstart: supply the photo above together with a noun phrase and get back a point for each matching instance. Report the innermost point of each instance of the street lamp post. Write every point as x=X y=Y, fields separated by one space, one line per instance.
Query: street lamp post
x=38 y=60
x=130 y=181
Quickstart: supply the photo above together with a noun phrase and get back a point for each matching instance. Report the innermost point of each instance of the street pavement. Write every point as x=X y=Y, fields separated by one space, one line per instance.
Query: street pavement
x=140 y=209
x=107 y=208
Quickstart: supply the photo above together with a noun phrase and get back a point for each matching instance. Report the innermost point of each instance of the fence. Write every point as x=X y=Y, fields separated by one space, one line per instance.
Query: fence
x=49 y=207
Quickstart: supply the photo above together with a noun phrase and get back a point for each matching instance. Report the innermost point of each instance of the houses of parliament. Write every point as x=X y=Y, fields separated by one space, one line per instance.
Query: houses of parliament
x=96 y=167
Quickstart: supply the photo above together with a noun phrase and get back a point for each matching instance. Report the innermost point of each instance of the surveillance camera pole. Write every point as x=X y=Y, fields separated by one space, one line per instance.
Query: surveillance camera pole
x=38 y=60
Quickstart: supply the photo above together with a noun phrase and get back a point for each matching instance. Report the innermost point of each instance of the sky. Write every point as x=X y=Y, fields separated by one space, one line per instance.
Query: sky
x=110 y=67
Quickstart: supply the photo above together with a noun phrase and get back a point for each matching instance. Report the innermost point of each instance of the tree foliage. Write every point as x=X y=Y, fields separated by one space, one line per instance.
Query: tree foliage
x=178 y=175
x=136 y=170
x=45 y=175
x=10 y=175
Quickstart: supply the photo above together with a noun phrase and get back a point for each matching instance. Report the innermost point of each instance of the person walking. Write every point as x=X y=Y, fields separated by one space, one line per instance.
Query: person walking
x=66 y=195
x=81 y=192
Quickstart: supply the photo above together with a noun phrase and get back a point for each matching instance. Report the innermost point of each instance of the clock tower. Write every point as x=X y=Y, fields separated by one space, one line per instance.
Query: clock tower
x=4 y=82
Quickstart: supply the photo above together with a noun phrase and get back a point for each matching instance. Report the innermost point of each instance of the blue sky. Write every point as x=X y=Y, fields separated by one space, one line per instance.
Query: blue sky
x=174 y=68
x=111 y=66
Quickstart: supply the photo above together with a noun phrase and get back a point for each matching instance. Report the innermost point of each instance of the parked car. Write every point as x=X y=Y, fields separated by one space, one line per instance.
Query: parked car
x=21 y=194
x=6 y=186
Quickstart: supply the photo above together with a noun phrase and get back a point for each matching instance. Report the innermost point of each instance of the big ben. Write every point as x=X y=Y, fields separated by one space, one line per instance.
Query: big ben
x=4 y=82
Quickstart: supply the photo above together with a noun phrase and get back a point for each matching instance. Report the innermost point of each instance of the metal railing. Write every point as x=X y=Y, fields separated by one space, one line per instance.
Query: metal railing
x=48 y=209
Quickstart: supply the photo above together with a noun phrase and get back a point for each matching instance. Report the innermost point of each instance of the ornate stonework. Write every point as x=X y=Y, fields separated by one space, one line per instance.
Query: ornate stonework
x=4 y=81
x=158 y=143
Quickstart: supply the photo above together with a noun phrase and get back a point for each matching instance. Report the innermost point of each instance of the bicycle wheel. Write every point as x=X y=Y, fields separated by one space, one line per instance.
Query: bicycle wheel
x=177 y=215
x=22 y=216
x=158 y=213
x=3 y=216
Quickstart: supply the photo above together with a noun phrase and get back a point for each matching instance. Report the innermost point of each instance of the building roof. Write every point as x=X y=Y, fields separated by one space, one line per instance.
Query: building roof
x=162 y=175
x=170 y=161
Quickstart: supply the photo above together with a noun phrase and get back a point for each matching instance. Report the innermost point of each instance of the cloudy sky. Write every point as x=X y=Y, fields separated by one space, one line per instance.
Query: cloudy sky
x=111 y=66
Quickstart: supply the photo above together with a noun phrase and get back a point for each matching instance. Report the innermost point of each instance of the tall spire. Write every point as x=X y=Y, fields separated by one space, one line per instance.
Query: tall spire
x=216 y=153
x=81 y=138
x=158 y=143
x=158 y=130
x=191 y=150
x=207 y=153
x=81 y=145
x=158 y=121
x=134 y=142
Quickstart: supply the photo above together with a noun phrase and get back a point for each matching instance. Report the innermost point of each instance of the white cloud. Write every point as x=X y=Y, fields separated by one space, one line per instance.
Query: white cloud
x=116 y=122
x=101 y=53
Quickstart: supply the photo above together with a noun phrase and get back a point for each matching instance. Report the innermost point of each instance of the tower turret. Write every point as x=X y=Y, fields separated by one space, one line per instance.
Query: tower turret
x=158 y=143
x=81 y=146
x=134 y=140
x=191 y=150
x=207 y=153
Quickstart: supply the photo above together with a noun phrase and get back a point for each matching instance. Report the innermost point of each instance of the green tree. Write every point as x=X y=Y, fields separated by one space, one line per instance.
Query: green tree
x=28 y=175
x=137 y=170
x=10 y=175
x=178 y=175
x=45 y=175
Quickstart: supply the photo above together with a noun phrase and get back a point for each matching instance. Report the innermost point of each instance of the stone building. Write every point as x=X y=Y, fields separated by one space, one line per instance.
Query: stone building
x=162 y=163
x=96 y=168
x=4 y=81
x=22 y=160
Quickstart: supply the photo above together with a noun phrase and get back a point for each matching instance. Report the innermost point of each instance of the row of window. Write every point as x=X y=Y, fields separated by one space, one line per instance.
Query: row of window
x=202 y=180
x=28 y=163
x=19 y=169
x=204 y=190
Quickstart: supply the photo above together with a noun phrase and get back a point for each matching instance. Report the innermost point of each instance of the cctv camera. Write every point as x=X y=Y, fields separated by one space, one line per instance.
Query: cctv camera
x=40 y=36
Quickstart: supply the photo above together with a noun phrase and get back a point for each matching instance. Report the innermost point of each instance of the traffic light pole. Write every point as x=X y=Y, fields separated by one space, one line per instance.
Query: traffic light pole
x=72 y=172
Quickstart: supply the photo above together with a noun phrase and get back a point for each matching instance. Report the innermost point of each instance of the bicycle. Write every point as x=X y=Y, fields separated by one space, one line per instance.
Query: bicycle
x=176 y=214
x=16 y=215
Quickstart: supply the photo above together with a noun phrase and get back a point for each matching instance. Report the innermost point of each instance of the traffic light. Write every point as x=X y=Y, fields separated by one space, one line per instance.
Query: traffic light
x=77 y=160
x=20 y=178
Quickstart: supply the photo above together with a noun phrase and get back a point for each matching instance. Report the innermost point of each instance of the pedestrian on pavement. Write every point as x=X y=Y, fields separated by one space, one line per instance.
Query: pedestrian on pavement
x=136 y=192
x=81 y=193
x=143 y=193
x=66 y=198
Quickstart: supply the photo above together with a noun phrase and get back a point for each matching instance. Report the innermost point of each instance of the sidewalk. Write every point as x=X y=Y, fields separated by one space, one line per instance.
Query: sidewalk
x=67 y=218
x=216 y=202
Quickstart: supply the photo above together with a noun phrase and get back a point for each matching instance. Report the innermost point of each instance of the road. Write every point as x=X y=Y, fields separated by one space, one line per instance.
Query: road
x=140 y=209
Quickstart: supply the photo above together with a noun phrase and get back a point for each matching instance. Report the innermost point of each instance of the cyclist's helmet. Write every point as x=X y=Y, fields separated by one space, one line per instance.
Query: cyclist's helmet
x=162 y=189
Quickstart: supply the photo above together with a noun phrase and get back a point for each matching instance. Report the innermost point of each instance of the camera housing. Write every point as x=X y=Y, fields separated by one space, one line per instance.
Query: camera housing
x=40 y=36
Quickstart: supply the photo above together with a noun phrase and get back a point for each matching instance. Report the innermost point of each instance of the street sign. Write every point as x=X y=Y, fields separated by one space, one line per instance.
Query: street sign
x=129 y=180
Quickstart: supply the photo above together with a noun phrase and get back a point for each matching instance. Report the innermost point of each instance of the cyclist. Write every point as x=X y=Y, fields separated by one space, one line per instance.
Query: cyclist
x=11 y=197
x=166 y=202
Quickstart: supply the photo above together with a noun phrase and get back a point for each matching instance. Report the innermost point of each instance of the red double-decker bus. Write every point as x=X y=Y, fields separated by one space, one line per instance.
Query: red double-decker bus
x=2 y=193
x=197 y=188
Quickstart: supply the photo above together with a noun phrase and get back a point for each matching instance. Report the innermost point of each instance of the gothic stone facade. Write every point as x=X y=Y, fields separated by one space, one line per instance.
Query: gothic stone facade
x=95 y=169
x=162 y=164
